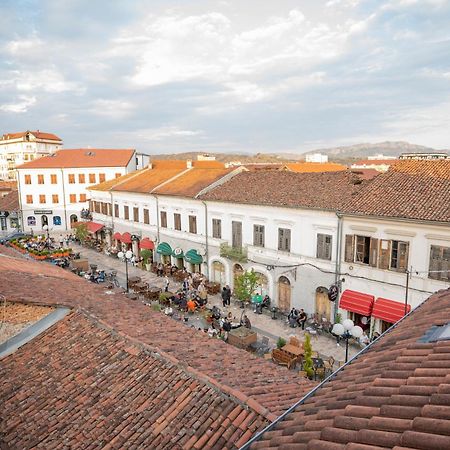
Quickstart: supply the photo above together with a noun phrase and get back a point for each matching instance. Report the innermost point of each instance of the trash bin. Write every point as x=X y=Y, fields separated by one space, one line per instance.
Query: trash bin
x=274 y=312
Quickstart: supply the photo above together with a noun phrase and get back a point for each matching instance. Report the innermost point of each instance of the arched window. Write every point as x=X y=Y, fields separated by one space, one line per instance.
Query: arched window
x=56 y=220
x=44 y=220
x=31 y=221
x=73 y=218
x=284 y=294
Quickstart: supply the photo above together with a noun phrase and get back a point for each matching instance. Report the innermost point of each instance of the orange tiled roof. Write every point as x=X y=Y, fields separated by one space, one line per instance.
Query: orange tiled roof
x=192 y=182
x=8 y=185
x=375 y=162
x=110 y=184
x=82 y=157
x=38 y=134
x=396 y=395
x=418 y=190
x=304 y=167
x=107 y=330
x=10 y=201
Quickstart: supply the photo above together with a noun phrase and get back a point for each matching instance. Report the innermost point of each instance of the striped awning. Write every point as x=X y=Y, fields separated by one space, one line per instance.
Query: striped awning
x=193 y=257
x=117 y=236
x=389 y=310
x=147 y=244
x=357 y=302
x=126 y=238
x=164 y=249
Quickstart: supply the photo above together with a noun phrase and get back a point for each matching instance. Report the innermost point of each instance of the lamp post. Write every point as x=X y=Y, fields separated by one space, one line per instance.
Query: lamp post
x=46 y=229
x=127 y=255
x=346 y=330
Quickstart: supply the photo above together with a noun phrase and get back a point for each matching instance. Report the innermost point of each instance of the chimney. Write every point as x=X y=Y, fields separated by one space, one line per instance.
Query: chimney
x=189 y=163
x=150 y=165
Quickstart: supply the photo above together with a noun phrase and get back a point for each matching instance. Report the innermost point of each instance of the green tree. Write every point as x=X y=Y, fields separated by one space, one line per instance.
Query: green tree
x=81 y=232
x=307 y=359
x=246 y=284
x=146 y=256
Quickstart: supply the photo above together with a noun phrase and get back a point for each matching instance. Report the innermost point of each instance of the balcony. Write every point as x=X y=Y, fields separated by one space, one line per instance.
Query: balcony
x=238 y=254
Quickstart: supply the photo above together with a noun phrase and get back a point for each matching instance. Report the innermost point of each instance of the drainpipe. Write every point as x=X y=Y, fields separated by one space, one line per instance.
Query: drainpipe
x=64 y=198
x=157 y=221
x=338 y=260
x=206 y=239
x=22 y=223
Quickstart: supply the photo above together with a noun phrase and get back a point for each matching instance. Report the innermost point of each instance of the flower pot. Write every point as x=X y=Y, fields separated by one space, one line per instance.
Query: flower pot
x=148 y=267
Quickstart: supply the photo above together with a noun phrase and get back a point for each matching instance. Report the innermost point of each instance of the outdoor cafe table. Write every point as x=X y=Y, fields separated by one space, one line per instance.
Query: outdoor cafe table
x=293 y=350
x=134 y=280
x=142 y=286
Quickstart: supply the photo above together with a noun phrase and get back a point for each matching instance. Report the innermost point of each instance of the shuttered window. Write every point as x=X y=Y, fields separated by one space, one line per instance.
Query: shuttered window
x=399 y=255
x=136 y=214
x=177 y=221
x=193 y=224
x=163 y=215
x=439 y=268
x=126 y=212
x=349 y=248
x=53 y=178
x=104 y=208
x=258 y=235
x=217 y=228
x=236 y=234
x=146 y=216
x=109 y=209
x=284 y=239
x=116 y=210
x=324 y=246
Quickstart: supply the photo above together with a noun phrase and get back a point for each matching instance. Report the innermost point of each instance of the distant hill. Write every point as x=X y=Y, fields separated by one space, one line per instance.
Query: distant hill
x=343 y=154
x=363 y=150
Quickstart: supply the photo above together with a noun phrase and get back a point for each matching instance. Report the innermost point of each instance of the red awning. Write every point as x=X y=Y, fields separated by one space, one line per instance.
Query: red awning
x=117 y=236
x=147 y=244
x=126 y=238
x=389 y=310
x=93 y=227
x=357 y=302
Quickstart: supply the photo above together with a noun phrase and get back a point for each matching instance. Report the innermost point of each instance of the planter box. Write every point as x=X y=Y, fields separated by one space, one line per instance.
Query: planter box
x=80 y=264
x=242 y=337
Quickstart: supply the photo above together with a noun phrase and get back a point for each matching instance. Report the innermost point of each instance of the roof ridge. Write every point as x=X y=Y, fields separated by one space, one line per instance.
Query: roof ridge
x=183 y=172
x=237 y=396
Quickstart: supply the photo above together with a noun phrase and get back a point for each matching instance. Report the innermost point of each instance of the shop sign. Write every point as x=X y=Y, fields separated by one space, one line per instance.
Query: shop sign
x=4 y=213
x=333 y=293
x=43 y=211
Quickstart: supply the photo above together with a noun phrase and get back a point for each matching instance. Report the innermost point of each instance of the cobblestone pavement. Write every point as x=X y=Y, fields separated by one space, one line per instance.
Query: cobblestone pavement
x=325 y=345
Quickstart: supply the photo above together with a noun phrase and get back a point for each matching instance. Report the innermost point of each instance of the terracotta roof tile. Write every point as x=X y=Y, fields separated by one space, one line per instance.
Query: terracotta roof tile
x=38 y=134
x=10 y=202
x=401 y=401
x=410 y=189
x=138 y=330
x=278 y=188
x=82 y=157
x=307 y=167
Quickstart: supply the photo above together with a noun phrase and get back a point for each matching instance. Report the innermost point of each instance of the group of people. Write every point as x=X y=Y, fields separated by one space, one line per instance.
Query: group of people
x=297 y=318
x=226 y=296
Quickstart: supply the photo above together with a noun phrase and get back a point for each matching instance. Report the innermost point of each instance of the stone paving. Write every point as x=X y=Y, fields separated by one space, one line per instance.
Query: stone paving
x=325 y=345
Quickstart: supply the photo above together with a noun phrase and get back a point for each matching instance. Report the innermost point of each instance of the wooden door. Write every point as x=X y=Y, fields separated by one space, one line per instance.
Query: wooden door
x=284 y=294
x=323 y=305
x=219 y=273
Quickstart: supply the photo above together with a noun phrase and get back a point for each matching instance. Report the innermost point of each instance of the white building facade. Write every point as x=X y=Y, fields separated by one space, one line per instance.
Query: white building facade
x=53 y=193
x=19 y=148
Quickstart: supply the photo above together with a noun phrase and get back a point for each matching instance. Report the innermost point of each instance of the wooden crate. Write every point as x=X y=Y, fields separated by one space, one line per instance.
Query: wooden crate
x=80 y=264
x=242 y=337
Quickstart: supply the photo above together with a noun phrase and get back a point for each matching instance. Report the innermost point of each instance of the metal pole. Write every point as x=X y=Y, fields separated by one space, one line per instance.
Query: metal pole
x=406 y=292
x=346 y=347
x=126 y=271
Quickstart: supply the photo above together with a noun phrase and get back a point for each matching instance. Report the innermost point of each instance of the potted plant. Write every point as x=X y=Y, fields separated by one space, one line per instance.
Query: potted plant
x=147 y=257
x=281 y=342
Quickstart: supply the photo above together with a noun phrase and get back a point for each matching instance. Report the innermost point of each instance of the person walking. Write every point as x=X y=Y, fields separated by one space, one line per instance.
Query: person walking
x=224 y=295
x=228 y=295
x=166 y=284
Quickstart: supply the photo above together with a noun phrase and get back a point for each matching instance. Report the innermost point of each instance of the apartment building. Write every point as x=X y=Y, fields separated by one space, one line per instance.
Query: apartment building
x=53 y=189
x=19 y=148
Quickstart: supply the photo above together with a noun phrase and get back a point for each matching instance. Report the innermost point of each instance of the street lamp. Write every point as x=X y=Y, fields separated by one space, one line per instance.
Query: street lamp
x=47 y=230
x=346 y=330
x=127 y=256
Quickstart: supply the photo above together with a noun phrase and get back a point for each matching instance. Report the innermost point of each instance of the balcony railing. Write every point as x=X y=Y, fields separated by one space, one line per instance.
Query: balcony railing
x=234 y=253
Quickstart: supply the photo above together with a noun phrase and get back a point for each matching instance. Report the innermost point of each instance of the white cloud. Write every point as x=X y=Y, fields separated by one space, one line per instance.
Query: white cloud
x=21 y=106
x=162 y=133
x=48 y=80
x=115 y=109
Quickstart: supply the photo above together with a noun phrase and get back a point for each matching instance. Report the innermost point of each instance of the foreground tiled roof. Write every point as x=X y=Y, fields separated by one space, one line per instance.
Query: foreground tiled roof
x=329 y=190
x=307 y=167
x=38 y=134
x=417 y=190
x=10 y=201
x=80 y=385
x=8 y=185
x=266 y=389
x=82 y=157
x=394 y=396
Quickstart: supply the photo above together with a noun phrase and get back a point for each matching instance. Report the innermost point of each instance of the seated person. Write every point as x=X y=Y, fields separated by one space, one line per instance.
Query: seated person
x=302 y=318
x=293 y=318
x=212 y=332
x=168 y=311
x=246 y=322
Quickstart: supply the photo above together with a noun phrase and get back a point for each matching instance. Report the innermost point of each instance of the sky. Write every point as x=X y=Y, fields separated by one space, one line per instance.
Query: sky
x=167 y=76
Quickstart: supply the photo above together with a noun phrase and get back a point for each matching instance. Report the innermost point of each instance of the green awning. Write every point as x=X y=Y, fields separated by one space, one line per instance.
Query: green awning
x=164 y=249
x=178 y=252
x=193 y=257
